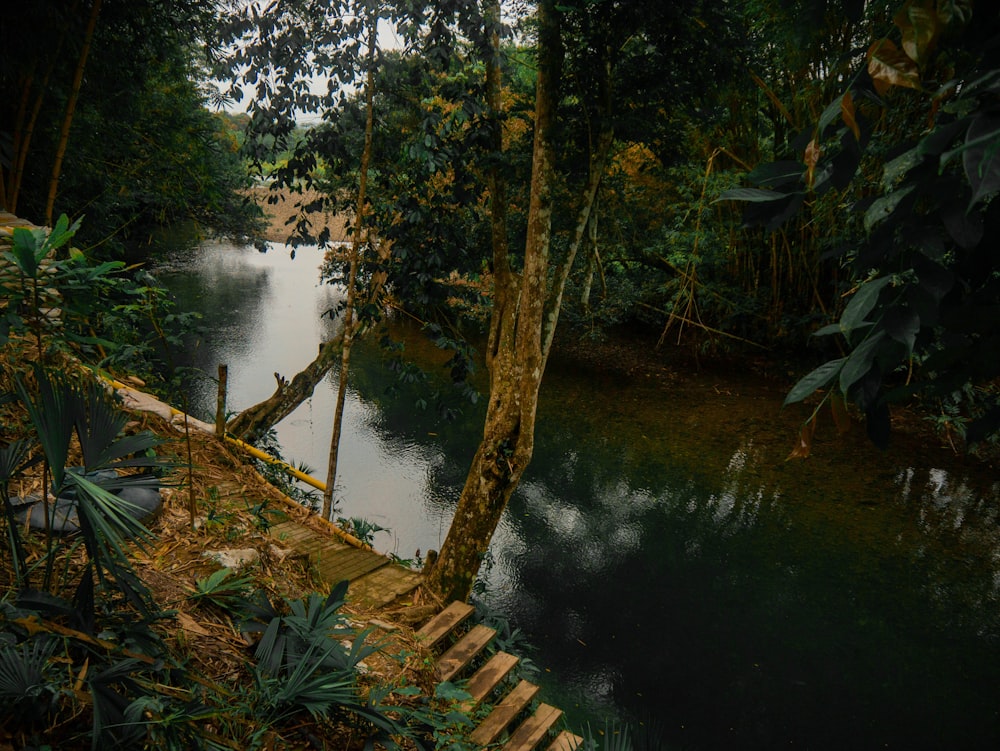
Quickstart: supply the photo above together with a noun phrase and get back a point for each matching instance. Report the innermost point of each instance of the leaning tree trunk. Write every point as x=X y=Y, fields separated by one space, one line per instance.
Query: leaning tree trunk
x=514 y=357
x=252 y=423
x=593 y=261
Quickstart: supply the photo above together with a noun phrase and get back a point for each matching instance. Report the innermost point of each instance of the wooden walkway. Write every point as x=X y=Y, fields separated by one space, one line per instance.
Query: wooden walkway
x=512 y=718
x=374 y=579
x=8 y=222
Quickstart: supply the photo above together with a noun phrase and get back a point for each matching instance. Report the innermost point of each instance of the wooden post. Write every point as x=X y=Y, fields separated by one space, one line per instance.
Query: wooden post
x=220 y=409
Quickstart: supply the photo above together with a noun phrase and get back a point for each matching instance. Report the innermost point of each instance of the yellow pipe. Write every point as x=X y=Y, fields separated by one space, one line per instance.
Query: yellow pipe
x=299 y=475
x=256 y=452
x=265 y=457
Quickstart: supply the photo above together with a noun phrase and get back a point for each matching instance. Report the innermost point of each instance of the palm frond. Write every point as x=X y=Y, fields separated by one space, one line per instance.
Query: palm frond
x=14 y=457
x=52 y=417
x=26 y=692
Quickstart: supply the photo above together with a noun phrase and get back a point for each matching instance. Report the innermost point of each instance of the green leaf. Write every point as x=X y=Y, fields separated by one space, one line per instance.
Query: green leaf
x=448 y=691
x=817 y=379
x=775 y=174
x=24 y=251
x=980 y=157
x=753 y=195
x=860 y=361
x=936 y=280
x=896 y=169
x=903 y=325
x=833 y=328
x=965 y=228
x=939 y=139
x=884 y=206
x=861 y=304
x=831 y=113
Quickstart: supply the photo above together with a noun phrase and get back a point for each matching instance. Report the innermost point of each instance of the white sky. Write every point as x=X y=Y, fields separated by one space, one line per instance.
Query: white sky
x=388 y=39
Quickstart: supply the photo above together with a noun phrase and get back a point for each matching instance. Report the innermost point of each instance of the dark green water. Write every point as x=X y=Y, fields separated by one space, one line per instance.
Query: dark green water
x=670 y=567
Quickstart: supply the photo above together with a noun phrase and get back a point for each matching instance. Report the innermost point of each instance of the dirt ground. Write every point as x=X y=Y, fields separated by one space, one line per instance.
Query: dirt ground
x=287 y=209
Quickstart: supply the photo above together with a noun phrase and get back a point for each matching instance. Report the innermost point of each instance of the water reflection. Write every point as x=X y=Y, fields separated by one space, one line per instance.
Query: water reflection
x=664 y=558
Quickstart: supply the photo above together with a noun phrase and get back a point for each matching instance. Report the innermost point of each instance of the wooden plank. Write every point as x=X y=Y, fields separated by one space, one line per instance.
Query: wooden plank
x=488 y=677
x=504 y=713
x=334 y=560
x=462 y=651
x=534 y=729
x=382 y=586
x=348 y=558
x=290 y=531
x=566 y=741
x=440 y=625
x=350 y=567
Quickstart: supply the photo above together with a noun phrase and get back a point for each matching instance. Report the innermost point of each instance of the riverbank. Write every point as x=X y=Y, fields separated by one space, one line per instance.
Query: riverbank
x=218 y=519
x=673 y=490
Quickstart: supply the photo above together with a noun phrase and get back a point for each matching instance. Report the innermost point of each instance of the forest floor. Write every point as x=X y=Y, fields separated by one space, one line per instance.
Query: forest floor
x=222 y=505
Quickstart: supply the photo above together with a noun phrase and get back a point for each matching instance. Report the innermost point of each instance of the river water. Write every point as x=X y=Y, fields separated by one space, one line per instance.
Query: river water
x=667 y=564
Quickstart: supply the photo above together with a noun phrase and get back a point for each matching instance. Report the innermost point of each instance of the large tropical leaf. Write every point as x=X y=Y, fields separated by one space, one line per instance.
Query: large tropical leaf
x=819 y=378
x=861 y=304
x=890 y=66
x=106 y=521
x=981 y=157
x=752 y=195
x=99 y=424
x=860 y=361
x=14 y=458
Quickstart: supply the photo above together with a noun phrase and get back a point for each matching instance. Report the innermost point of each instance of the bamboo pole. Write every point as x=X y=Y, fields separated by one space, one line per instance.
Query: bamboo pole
x=220 y=408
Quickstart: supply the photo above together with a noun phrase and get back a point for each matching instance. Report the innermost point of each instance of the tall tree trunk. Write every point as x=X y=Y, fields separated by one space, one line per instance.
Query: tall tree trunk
x=593 y=259
x=24 y=124
x=74 y=95
x=515 y=358
x=345 y=361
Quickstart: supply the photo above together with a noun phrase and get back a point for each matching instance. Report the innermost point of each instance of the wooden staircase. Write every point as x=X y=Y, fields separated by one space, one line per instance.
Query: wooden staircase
x=533 y=730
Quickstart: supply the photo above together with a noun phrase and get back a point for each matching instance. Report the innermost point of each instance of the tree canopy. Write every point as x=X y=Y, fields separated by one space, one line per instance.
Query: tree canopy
x=103 y=115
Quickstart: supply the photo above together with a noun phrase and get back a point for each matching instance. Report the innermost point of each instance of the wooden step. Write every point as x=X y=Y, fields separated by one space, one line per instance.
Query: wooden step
x=462 y=652
x=534 y=729
x=488 y=677
x=566 y=741
x=504 y=713
x=441 y=625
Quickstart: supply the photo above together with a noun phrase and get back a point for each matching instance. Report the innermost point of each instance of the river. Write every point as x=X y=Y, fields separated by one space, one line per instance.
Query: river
x=667 y=564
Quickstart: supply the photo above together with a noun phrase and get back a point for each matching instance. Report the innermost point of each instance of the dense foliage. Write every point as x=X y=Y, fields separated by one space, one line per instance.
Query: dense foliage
x=908 y=149
x=102 y=115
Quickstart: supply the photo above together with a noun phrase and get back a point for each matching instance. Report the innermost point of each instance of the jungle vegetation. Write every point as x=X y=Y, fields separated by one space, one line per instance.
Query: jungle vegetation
x=724 y=177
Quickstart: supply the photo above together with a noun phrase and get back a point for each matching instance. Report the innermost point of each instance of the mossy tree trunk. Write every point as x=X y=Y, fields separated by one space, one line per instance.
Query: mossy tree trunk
x=514 y=354
x=524 y=318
